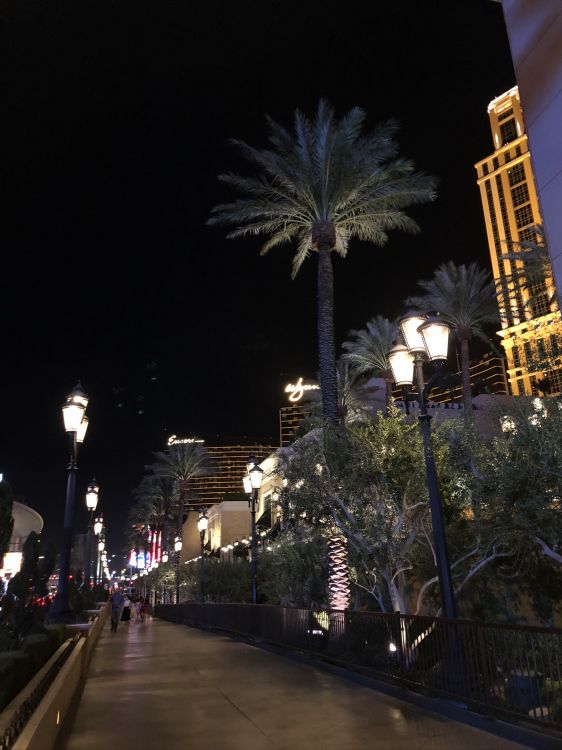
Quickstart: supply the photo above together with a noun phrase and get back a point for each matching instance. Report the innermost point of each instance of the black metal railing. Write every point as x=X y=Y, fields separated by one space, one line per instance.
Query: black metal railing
x=511 y=671
x=25 y=711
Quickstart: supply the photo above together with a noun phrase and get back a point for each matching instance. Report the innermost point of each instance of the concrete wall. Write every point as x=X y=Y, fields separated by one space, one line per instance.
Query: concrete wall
x=535 y=35
x=41 y=731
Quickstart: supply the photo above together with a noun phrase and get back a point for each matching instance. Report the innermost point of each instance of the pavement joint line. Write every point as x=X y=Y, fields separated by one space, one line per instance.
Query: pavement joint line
x=245 y=715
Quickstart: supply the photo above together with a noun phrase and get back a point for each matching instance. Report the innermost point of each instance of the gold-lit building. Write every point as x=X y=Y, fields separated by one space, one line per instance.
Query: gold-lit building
x=488 y=375
x=290 y=419
x=529 y=315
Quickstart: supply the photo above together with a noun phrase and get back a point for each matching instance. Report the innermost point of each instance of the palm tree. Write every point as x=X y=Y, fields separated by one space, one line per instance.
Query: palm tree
x=156 y=501
x=179 y=463
x=465 y=297
x=366 y=353
x=318 y=187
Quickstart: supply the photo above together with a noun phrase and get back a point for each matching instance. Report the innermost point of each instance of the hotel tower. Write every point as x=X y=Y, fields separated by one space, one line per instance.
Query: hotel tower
x=530 y=319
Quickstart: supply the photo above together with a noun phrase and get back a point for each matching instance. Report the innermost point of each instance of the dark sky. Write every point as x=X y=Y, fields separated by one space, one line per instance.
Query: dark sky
x=115 y=119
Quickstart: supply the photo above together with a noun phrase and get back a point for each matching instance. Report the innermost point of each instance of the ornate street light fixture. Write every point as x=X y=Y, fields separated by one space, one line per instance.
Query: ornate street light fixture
x=75 y=424
x=202 y=525
x=178 y=544
x=92 y=497
x=255 y=474
x=426 y=339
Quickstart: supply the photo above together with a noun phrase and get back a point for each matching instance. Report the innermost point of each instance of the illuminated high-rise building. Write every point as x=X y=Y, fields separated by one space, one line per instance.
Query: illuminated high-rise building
x=530 y=319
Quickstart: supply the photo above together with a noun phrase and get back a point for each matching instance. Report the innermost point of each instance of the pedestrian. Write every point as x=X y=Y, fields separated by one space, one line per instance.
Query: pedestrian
x=143 y=609
x=116 y=600
x=126 y=616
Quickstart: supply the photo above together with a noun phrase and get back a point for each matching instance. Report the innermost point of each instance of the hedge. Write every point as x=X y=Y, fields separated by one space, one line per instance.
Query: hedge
x=15 y=672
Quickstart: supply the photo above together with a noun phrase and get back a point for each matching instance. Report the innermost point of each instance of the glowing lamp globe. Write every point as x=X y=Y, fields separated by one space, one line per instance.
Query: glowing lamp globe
x=435 y=334
x=256 y=475
x=92 y=495
x=409 y=325
x=401 y=363
x=202 y=523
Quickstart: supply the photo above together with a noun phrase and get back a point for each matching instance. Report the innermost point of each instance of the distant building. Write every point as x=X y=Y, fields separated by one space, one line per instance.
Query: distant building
x=488 y=375
x=290 y=419
x=222 y=494
x=529 y=316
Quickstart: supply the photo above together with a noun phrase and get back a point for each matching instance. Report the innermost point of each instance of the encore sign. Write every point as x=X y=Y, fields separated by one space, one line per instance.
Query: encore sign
x=175 y=440
x=297 y=389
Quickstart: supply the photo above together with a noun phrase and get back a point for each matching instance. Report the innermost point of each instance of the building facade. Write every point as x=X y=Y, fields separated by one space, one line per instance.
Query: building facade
x=530 y=319
x=534 y=28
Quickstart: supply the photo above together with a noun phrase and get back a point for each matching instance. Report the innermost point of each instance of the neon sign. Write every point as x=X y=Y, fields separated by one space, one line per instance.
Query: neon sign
x=297 y=389
x=175 y=440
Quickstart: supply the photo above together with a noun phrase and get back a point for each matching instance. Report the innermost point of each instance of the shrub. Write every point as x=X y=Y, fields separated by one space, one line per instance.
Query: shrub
x=39 y=649
x=15 y=672
x=57 y=635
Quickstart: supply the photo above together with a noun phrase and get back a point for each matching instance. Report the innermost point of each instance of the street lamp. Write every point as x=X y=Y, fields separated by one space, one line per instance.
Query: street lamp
x=92 y=497
x=202 y=524
x=255 y=474
x=427 y=338
x=165 y=556
x=75 y=424
x=178 y=544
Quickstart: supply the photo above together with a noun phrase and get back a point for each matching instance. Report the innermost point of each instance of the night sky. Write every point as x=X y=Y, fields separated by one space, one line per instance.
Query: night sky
x=115 y=122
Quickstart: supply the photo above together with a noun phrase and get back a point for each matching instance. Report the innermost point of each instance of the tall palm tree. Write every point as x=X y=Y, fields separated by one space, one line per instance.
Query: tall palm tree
x=465 y=297
x=180 y=463
x=318 y=187
x=156 y=502
x=366 y=352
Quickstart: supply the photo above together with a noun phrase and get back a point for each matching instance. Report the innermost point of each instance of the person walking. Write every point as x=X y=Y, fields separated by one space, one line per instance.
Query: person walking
x=116 y=605
x=126 y=616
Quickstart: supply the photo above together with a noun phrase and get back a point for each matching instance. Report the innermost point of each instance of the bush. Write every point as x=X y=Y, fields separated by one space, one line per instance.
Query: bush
x=57 y=635
x=39 y=649
x=15 y=672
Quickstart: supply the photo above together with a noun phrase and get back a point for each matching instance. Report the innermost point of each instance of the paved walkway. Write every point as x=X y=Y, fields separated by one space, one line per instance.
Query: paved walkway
x=169 y=687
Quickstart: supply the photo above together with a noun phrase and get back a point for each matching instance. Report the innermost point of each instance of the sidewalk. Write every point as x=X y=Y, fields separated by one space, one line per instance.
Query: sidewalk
x=166 y=686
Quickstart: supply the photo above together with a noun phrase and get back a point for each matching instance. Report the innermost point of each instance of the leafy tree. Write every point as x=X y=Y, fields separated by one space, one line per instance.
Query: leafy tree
x=367 y=350
x=318 y=187
x=465 y=297
x=6 y=518
x=368 y=482
x=522 y=478
x=294 y=572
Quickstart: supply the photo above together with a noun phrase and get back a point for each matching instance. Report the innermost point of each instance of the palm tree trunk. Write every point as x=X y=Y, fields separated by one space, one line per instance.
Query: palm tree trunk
x=465 y=374
x=326 y=344
x=388 y=391
x=338 y=573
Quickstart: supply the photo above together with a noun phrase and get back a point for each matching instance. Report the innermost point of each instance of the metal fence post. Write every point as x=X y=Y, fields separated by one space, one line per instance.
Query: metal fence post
x=483 y=662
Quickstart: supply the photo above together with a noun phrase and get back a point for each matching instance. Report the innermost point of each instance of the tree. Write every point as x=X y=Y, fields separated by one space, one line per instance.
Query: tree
x=465 y=297
x=319 y=187
x=156 y=499
x=368 y=349
x=522 y=478
x=6 y=518
x=180 y=463
x=368 y=482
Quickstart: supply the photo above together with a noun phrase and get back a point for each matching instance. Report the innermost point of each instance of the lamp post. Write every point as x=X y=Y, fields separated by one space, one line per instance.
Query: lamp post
x=202 y=524
x=178 y=544
x=92 y=497
x=75 y=424
x=255 y=474
x=426 y=339
x=98 y=528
